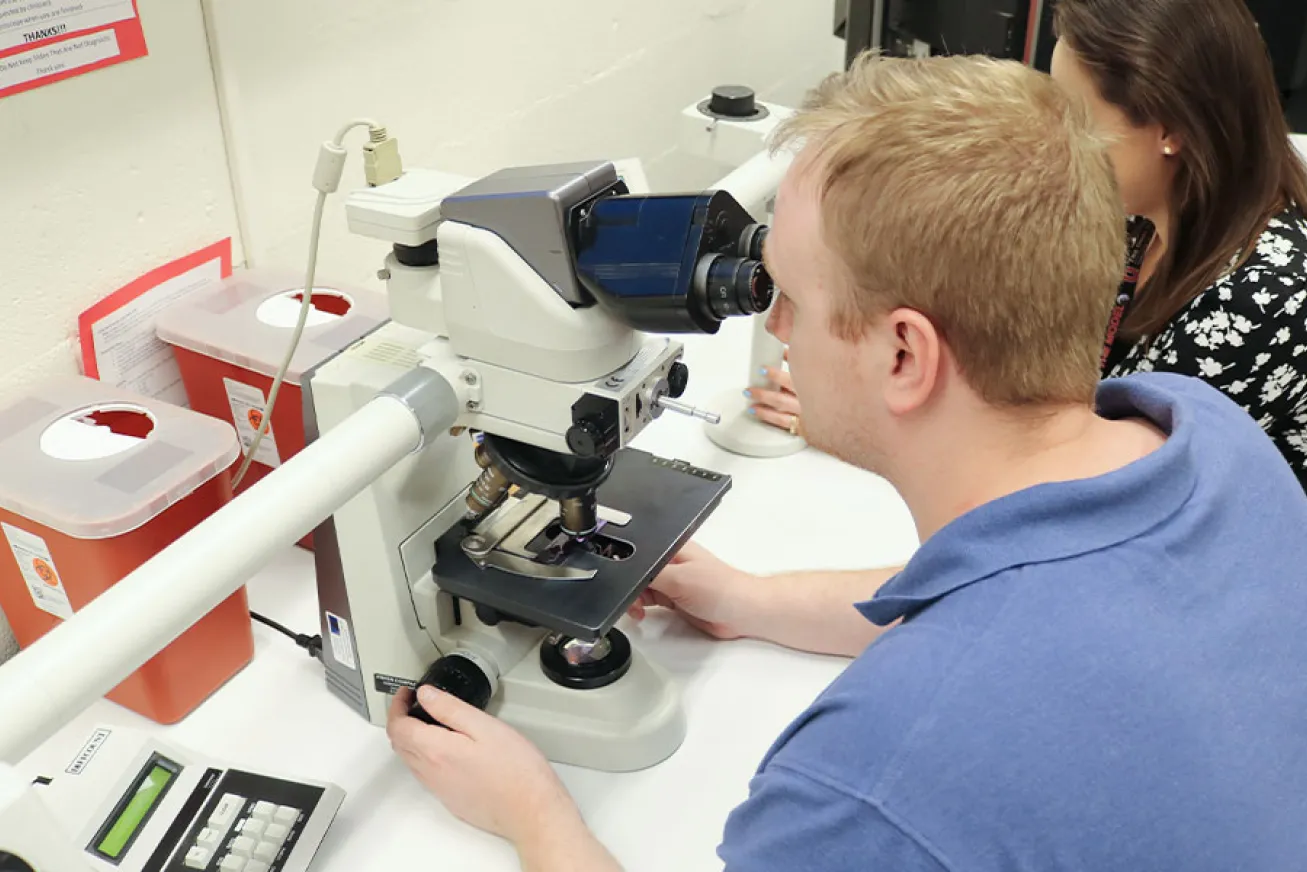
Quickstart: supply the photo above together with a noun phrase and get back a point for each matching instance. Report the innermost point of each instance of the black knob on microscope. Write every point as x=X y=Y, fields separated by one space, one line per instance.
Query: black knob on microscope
x=733 y=101
x=584 y=438
x=677 y=379
x=456 y=675
x=11 y=863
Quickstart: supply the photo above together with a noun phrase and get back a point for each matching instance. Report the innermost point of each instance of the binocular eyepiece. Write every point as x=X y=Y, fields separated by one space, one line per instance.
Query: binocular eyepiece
x=728 y=285
x=673 y=263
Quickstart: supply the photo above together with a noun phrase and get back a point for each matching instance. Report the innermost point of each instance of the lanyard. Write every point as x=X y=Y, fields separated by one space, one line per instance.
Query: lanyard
x=1139 y=236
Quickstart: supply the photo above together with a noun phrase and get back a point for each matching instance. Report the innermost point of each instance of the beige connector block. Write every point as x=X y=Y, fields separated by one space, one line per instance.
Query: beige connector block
x=381 y=162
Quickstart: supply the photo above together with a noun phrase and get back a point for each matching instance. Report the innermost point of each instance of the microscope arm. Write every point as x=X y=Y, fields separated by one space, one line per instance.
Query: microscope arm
x=85 y=657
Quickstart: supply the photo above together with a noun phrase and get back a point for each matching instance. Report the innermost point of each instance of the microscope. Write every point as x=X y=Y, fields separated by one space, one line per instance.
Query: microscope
x=495 y=561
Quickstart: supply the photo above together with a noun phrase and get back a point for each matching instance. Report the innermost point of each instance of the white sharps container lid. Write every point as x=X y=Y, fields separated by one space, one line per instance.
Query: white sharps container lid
x=73 y=459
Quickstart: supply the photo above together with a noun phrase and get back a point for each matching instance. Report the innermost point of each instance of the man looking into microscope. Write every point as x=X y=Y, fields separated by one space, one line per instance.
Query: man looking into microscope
x=1096 y=657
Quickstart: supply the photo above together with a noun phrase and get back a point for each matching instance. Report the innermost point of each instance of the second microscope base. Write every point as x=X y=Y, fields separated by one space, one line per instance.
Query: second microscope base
x=741 y=433
x=633 y=723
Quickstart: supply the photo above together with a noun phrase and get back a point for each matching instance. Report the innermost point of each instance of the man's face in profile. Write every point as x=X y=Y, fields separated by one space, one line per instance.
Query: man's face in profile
x=830 y=373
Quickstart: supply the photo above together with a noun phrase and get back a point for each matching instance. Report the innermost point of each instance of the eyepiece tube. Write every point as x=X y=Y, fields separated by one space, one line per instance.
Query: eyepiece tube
x=752 y=240
x=729 y=286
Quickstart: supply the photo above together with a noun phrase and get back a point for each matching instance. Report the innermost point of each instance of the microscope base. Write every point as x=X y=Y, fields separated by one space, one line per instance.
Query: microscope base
x=633 y=723
x=741 y=433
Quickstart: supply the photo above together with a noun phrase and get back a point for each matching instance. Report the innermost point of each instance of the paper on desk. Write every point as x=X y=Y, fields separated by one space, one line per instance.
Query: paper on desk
x=119 y=345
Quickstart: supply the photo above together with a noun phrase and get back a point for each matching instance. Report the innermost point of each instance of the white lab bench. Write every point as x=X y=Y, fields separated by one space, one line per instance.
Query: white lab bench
x=803 y=511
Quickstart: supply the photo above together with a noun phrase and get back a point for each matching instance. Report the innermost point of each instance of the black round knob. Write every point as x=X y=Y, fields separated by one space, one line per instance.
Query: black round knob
x=12 y=863
x=426 y=254
x=488 y=616
x=456 y=675
x=678 y=377
x=584 y=438
x=733 y=101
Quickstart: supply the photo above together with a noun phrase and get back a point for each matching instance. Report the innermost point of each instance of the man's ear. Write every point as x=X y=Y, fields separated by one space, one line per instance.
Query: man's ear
x=918 y=356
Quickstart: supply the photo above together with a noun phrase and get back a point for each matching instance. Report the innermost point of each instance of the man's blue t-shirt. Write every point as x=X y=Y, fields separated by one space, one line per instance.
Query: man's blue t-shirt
x=1107 y=674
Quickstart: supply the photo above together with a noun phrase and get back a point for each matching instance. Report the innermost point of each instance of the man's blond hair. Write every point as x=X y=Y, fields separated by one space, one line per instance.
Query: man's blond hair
x=973 y=191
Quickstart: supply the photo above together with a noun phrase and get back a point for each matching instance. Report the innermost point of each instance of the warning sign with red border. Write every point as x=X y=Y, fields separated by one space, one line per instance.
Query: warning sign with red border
x=47 y=41
x=119 y=344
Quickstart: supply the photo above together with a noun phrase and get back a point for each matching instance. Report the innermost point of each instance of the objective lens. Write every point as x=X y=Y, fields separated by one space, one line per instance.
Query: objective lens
x=733 y=286
x=489 y=490
x=580 y=515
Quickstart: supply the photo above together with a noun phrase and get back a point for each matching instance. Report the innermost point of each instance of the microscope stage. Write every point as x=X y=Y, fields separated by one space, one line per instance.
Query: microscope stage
x=666 y=500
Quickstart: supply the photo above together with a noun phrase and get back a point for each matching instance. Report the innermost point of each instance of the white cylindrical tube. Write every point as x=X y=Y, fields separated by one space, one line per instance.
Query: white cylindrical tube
x=753 y=183
x=90 y=654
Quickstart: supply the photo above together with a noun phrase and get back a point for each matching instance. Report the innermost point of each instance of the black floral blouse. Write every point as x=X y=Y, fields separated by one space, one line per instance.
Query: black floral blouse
x=1247 y=336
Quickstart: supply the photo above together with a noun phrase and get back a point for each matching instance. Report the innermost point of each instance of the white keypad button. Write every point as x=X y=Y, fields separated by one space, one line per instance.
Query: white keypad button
x=276 y=833
x=232 y=863
x=243 y=847
x=263 y=811
x=254 y=828
x=198 y=858
x=209 y=838
x=226 y=811
x=255 y=866
x=267 y=851
x=286 y=815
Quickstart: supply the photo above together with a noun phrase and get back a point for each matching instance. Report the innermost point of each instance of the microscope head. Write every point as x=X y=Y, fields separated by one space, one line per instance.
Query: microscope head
x=666 y=263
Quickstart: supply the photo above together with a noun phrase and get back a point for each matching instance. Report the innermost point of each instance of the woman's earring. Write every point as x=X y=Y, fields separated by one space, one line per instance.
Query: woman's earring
x=1167 y=150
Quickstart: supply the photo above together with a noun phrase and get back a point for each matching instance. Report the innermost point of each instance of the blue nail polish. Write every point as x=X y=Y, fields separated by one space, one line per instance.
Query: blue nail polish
x=748 y=393
x=762 y=371
x=753 y=411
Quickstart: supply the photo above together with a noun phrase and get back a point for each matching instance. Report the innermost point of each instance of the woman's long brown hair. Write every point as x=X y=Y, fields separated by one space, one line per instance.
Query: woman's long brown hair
x=1201 y=70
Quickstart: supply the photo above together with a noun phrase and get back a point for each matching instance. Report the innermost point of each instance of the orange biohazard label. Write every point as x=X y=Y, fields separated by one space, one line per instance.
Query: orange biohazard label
x=37 y=567
x=45 y=572
x=247 y=413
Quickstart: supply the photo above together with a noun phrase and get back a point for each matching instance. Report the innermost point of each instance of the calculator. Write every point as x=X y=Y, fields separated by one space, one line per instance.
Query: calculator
x=132 y=803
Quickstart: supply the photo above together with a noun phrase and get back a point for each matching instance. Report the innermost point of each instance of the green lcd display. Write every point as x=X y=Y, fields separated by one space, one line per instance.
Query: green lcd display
x=135 y=808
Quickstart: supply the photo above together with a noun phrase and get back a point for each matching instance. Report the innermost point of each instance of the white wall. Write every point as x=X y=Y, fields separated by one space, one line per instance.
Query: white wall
x=108 y=175
x=470 y=86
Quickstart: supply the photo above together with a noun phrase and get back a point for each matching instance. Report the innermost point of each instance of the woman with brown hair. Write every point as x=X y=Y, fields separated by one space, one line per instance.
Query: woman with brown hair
x=1203 y=160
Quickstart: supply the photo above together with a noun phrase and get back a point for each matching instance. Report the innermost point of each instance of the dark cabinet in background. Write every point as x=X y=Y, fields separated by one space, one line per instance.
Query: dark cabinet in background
x=913 y=27
x=1284 y=27
x=1023 y=29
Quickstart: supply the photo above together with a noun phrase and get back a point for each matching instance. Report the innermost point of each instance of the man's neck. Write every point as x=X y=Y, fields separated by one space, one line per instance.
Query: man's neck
x=1005 y=454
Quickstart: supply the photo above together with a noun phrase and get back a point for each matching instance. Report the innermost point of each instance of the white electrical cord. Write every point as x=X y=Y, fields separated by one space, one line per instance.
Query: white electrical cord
x=326 y=178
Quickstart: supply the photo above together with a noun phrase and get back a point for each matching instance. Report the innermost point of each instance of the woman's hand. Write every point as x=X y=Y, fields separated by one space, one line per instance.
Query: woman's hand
x=778 y=404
